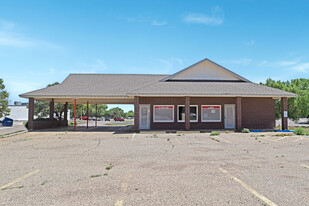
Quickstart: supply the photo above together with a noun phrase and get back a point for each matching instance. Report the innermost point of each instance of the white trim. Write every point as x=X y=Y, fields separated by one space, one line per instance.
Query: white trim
x=140 y=106
x=190 y=107
x=211 y=120
x=153 y=112
x=234 y=116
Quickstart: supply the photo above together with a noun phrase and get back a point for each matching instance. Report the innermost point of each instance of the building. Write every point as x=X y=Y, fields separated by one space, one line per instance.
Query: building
x=18 y=111
x=203 y=96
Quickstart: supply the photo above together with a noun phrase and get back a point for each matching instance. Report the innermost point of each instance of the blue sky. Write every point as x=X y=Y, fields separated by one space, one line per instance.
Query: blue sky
x=43 y=41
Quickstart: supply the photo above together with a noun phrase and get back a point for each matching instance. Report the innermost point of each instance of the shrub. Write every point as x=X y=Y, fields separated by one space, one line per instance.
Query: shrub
x=299 y=131
x=307 y=134
x=214 y=133
x=26 y=124
x=245 y=130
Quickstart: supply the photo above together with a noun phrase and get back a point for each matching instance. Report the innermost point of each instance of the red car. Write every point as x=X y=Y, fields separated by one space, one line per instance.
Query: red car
x=84 y=118
x=118 y=119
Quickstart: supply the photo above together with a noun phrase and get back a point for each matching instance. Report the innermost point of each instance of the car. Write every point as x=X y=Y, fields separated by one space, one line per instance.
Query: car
x=107 y=119
x=119 y=119
x=84 y=118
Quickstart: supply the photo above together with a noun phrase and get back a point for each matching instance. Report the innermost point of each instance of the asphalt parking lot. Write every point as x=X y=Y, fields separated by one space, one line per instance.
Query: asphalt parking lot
x=104 y=168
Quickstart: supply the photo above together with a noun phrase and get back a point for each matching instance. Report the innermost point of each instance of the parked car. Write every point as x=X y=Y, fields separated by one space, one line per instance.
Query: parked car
x=84 y=118
x=119 y=119
x=107 y=119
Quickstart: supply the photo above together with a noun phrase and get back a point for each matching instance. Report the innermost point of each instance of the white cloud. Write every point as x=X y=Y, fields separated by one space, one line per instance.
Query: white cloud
x=250 y=43
x=242 y=61
x=158 y=23
x=8 y=37
x=303 y=67
x=202 y=19
x=215 y=18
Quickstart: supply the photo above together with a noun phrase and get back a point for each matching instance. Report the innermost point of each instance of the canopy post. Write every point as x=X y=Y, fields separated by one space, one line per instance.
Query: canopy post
x=74 y=114
x=87 y=112
x=96 y=114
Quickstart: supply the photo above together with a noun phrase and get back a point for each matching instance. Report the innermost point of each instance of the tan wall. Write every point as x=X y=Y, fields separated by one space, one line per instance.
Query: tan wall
x=257 y=113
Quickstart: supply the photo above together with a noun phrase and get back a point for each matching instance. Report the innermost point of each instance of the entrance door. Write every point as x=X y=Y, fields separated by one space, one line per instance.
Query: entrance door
x=144 y=116
x=229 y=116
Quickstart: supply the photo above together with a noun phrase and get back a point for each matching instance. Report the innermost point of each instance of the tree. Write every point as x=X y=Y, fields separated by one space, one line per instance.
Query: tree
x=116 y=112
x=4 y=110
x=297 y=107
x=41 y=108
x=130 y=114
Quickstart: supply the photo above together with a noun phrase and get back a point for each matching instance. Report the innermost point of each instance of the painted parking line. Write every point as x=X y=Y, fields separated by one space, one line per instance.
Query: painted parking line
x=305 y=166
x=133 y=136
x=262 y=197
x=224 y=140
x=119 y=203
x=177 y=140
x=276 y=140
x=19 y=179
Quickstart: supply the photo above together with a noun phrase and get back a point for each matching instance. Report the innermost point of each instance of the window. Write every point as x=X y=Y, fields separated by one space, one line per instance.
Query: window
x=211 y=113
x=181 y=113
x=163 y=113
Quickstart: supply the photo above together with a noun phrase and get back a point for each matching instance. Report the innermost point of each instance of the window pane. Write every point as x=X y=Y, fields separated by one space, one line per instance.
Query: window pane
x=181 y=113
x=211 y=113
x=193 y=113
x=163 y=113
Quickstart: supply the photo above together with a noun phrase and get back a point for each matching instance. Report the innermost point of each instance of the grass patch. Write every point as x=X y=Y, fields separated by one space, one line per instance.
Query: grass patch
x=93 y=176
x=109 y=167
x=245 y=130
x=214 y=133
x=283 y=134
x=214 y=139
x=299 y=131
x=44 y=182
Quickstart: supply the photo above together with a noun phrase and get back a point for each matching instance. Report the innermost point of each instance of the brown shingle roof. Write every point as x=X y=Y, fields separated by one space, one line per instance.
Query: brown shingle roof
x=124 y=85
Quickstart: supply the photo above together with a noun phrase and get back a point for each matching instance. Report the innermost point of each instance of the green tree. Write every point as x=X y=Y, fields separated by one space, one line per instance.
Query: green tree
x=297 y=107
x=130 y=114
x=116 y=112
x=4 y=110
x=41 y=108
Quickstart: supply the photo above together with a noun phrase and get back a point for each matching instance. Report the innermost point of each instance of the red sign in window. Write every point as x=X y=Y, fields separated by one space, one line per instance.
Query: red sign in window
x=211 y=107
x=164 y=107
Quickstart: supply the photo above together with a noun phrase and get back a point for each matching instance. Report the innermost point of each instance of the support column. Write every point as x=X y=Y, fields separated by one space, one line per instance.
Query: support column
x=30 y=113
x=284 y=113
x=74 y=114
x=87 y=113
x=187 y=113
x=136 y=113
x=238 y=114
x=65 y=115
x=96 y=114
x=51 y=109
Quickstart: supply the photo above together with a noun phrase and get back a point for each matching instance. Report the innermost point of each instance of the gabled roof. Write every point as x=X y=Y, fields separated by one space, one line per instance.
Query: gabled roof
x=192 y=81
x=205 y=70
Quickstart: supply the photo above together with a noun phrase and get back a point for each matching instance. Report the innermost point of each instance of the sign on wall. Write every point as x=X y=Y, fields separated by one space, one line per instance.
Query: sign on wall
x=163 y=113
x=211 y=113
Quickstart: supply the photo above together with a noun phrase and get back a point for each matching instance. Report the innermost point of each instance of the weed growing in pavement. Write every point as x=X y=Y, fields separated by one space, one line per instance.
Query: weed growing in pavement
x=214 y=139
x=282 y=155
x=281 y=166
x=44 y=182
x=283 y=135
x=155 y=136
x=105 y=174
x=168 y=139
x=178 y=135
x=19 y=187
x=93 y=176
x=109 y=167
x=299 y=131
x=245 y=130
x=214 y=133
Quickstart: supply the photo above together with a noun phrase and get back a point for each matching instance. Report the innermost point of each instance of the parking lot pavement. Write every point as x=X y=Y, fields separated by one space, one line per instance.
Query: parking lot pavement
x=103 y=168
x=17 y=126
